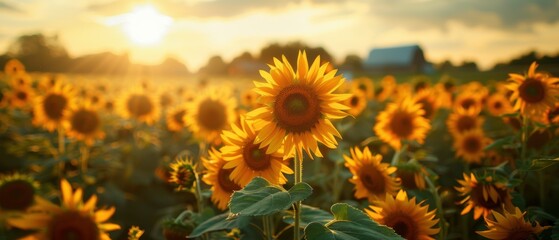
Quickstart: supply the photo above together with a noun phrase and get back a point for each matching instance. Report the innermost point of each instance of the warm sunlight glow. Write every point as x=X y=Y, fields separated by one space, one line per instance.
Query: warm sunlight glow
x=144 y=25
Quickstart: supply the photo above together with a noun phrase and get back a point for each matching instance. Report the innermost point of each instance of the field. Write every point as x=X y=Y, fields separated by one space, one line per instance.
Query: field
x=378 y=157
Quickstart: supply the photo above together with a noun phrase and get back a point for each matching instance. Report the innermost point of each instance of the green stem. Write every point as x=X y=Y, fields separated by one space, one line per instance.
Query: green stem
x=439 y=205
x=524 y=138
x=266 y=226
x=61 y=150
x=198 y=193
x=336 y=182
x=396 y=157
x=297 y=207
x=541 y=177
x=84 y=150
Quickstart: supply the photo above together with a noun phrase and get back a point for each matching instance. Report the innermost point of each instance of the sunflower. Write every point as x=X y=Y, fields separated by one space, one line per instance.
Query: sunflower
x=364 y=85
x=166 y=99
x=21 y=80
x=134 y=233
x=14 y=67
x=249 y=99
x=408 y=219
x=53 y=108
x=49 y=81
x=533 y=94
x=444 y=94
x=182 y=174
x=371 y=178
x=467 y=100
x=357 y=103
x=210 y=113
x=74 y=219
x=95 y=98
x=402 y=121
x=219 y=178
x=20 y=97
x=84 y=124
x=498 y=104
x=17 y=192
x=175 y=119
x=510 y=226
x=298 y=107
x=412 y=175
x=553 y=115
x=248 y=160
x=470 y=144
x=483 y=195
x=426 y=98
x=139 y=105
x=462 y=120
x=386 y=89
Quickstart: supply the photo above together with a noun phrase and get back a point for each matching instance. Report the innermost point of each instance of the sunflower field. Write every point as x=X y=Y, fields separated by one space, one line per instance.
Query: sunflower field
x=299 y=153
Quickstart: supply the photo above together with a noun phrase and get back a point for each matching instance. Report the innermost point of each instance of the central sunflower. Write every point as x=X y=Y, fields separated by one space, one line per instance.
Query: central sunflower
x=248 y=160
x=73 y=220
x=402 y=121
x=371 y=178
x=298 y=107
x=408 y=219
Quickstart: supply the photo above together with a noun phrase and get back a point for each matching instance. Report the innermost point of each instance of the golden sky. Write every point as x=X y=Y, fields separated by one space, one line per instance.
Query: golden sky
x=194 y=30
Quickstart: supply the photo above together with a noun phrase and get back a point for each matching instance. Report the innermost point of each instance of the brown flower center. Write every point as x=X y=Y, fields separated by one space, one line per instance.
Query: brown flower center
x=372 y=179
x=255 y=157
x=21 y=95
x=16 y=195
x=354 y=101
x=139 y=105
x=498 y=105
x=85 y=121
x=468 y=103
x=478 y=199
x=402 y=225
x=408 y=178
x=362 y=87
x=532 y=91
x=178 y=117
x=212 y=115
x=224 y=182
x=472 y=144
x=401 y=124
x=185 y=176
x=465 y=123
x=72 y=225
x=297 y=108
x=54 y=105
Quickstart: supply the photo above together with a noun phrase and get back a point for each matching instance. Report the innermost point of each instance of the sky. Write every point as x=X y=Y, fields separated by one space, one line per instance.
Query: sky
x=485 y=31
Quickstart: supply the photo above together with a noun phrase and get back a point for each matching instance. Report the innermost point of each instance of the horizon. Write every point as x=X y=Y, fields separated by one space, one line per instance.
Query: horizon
x=194 y=31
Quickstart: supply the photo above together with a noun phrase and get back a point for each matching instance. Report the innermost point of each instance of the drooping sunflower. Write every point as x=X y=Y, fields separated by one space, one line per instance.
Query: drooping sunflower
x=497 y=104
x=182 y=174
x=175 y=119
x=462 y=120
x=364 y=85
x=219 y=178
x=412 y=175
x=210 y=113
x=139 y=105
x=510 y=226
x=371 y=177
x=17 y=193
x=533 y=94
x=84 y=124
x=20 y=97
x=298 y=107
x=74 y=219
x=483 y=195
x=53 y=108
x=470 y=145
x=248 y=160
x=14 y=67
x=409 y=219
x=357 y=103
x=427 y=100
x=402 y=120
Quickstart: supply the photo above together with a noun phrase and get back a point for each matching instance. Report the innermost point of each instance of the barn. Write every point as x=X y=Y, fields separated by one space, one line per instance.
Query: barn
x=399 y=59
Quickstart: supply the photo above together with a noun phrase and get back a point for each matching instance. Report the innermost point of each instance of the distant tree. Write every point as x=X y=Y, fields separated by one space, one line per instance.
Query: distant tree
x=40 y=53
x=353 y=63
x=446 y=65
x=290 y=50
x=171 y=66
x=215 y=66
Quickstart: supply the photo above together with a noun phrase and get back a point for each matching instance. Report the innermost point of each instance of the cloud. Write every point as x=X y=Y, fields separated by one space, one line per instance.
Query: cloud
x=507 y=14
x=9 y=7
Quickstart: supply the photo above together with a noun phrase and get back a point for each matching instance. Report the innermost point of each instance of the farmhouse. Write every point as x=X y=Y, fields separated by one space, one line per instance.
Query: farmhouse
x=400 y=59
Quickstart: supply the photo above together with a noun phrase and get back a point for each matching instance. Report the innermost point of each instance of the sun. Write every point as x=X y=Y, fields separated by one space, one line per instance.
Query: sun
x=144 y=25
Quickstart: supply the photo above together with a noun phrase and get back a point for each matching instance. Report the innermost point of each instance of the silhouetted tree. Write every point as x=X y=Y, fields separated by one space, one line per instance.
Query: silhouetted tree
x=290 y=50
x=40 y=53
x=215 y=66
x=353 y=63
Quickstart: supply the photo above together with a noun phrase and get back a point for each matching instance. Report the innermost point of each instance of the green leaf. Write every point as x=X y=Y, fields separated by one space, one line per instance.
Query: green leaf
x=218 y=223
x=260 y=197
x=349 y=223
x=308 y=214
x=540 y=164
x=500 y=143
